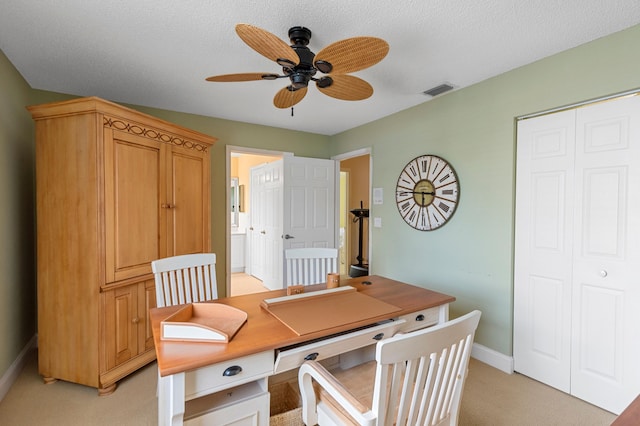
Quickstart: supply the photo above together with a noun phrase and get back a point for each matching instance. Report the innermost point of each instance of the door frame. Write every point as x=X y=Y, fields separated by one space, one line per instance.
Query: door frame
x=346 y=156
x=229 y=149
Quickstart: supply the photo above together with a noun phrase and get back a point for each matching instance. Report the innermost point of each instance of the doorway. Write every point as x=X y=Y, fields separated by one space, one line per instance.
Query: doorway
x=355 y=190
x=241 y=160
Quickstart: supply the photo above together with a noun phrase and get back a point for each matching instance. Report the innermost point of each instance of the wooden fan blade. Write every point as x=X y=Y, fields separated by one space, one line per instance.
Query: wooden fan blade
x=353 y=54
x=285 y=98
x=225 y=78
x=266 y=44
x=348 y=88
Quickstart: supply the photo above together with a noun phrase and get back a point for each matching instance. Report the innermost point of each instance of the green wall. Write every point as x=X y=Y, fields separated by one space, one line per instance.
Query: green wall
x=17 y=216
x=474 y=129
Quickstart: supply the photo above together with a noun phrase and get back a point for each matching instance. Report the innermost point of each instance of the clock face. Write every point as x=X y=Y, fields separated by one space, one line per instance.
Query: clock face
x=427 y=192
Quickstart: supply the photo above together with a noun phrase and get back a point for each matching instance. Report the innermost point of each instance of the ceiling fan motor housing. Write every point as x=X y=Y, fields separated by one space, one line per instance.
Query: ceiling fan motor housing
x=299 y=35
x=304 y=71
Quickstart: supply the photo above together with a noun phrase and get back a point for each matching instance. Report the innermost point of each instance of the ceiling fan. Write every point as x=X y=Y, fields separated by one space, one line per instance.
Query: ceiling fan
x=300 y=65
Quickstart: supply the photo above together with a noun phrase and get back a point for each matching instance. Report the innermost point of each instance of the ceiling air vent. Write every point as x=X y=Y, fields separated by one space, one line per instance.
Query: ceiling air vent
x=438 y=90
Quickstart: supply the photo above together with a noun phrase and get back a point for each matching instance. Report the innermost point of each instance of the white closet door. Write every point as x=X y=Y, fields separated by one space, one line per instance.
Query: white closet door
x=605 y=354
x=577 y=260
x=543 y=245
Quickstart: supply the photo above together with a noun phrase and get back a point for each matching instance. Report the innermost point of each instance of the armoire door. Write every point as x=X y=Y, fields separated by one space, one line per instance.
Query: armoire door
x=187 y=205
x=133 y=166
x=577 y=262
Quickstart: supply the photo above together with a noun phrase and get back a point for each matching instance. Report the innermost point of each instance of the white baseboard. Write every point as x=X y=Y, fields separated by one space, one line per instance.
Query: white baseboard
x=12 y=373
x=494 y=358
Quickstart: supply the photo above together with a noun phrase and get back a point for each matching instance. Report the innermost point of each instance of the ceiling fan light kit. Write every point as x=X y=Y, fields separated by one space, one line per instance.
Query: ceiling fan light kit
x=300 y=65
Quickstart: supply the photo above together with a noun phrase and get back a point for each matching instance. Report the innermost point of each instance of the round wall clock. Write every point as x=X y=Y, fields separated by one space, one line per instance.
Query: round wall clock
x=427 y=192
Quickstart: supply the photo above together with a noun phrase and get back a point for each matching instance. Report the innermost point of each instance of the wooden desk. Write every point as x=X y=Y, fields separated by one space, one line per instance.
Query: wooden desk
x=199 y=372
x=630 y=416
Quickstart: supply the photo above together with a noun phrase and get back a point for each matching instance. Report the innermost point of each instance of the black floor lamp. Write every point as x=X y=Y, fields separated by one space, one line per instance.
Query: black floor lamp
x=359 y=269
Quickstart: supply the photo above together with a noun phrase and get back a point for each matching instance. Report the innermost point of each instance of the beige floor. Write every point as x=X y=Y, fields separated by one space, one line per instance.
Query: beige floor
x=491 y=398
x=242 y=283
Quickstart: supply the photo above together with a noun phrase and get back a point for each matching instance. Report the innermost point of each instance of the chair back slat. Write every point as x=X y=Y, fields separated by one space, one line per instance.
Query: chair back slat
x=311 y=265
x=184 y=279
x=414 y=387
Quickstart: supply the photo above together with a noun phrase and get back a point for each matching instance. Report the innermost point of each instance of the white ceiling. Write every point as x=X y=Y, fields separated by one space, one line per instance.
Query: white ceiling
x=158 y=53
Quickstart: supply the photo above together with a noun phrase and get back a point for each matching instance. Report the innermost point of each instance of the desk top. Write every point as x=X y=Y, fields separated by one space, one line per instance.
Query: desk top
x=263 y=331
x=630 y=416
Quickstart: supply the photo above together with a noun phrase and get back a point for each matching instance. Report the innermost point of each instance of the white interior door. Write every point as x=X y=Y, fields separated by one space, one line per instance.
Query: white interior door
x=257 y=247
x=292 y=197
x=273 y=226
x=265 y=230
x=310 y=213
x=577 y=262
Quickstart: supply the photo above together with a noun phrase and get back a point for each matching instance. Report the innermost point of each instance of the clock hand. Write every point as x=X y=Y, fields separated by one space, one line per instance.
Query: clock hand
x=417 y=192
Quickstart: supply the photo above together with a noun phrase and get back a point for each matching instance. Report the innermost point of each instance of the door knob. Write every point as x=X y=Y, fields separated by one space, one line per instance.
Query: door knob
x=288 y=237
x=603 y=273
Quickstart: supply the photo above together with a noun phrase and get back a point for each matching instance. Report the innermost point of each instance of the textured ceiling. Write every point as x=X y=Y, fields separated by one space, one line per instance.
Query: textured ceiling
x=158 y=53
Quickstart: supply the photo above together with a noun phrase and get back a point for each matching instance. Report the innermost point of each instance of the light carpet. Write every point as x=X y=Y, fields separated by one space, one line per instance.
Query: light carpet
x=491 y=398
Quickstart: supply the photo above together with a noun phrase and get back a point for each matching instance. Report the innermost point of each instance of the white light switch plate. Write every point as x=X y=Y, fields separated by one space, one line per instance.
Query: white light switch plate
x=377 y=222
x=377 y=196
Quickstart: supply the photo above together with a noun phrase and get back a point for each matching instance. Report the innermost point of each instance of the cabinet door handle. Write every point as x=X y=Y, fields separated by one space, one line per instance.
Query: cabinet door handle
x=263 y=232
x=311 y=356
x=420 y=317
x=232 y=371
x=378 y=336
x=135 y=320
x=168 y=206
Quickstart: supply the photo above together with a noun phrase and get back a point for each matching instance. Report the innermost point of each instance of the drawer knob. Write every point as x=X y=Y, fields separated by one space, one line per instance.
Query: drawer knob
x=232 y=371
x=420 y=317
x=378 y=336
x=311 y=356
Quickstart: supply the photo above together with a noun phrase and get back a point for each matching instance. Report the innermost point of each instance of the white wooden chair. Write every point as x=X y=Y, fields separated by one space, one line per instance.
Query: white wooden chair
x=419 y=380
x=185 y=279
x=306 y=266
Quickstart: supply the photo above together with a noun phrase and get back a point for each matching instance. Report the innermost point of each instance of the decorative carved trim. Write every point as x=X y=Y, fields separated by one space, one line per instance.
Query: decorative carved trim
x=154 y=134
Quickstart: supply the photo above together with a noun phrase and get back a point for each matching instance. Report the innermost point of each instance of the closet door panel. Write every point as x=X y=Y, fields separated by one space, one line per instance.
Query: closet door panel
x=544 y=204
x=606 y=266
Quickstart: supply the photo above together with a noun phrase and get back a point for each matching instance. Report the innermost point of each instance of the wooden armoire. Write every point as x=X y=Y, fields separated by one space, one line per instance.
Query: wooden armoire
x=115 y=190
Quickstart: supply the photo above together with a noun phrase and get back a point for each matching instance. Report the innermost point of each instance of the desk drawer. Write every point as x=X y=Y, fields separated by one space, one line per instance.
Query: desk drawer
x=419 y=319
x=289 y=359
x=213 y=378
x=244 y=405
